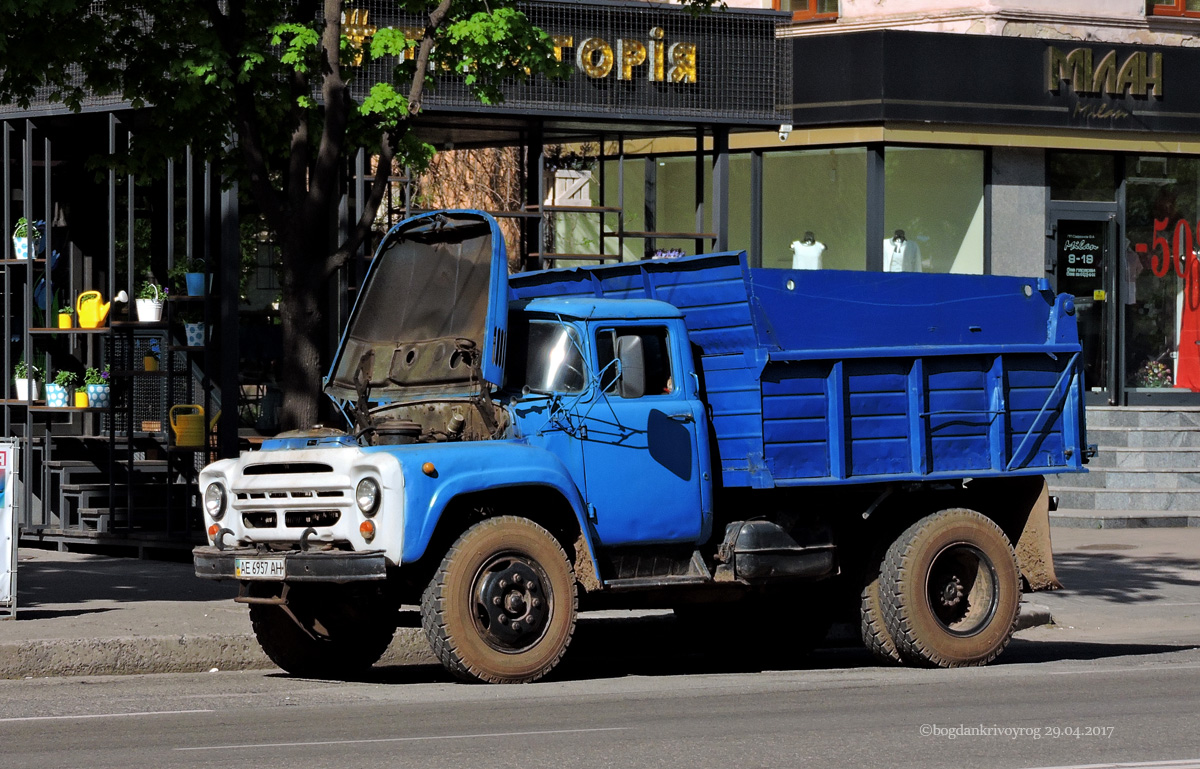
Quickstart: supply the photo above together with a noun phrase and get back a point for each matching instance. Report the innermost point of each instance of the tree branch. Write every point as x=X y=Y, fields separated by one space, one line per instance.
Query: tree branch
x=366 y=222
x=416 y=91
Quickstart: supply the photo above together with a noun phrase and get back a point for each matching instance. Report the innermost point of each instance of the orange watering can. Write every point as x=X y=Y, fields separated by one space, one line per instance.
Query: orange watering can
x=92 y=311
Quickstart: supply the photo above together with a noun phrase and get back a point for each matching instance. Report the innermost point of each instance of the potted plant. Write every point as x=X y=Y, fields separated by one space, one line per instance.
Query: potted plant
x=189 y=275
x=64 y=317
x=22 y=234
x=150 y=359
x=150 y=298
x=26 y=377
x=58 y=392
x=97 y=387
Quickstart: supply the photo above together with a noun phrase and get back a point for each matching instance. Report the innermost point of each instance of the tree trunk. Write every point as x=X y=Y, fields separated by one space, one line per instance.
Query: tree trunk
x=300 y=310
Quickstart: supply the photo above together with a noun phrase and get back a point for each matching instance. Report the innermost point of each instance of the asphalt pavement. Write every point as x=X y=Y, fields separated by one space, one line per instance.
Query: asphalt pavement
x=81 y=614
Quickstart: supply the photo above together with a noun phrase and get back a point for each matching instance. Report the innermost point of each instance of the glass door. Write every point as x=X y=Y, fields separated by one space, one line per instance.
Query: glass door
x=1081 y=263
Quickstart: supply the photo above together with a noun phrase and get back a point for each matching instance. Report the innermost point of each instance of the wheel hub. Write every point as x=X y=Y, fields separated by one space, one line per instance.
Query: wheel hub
x=510 y=603
x=961 y=589
x=952 y=592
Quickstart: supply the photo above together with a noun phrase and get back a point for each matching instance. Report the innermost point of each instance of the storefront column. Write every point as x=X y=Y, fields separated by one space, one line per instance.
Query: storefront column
x=720 y=191
x=875 y=211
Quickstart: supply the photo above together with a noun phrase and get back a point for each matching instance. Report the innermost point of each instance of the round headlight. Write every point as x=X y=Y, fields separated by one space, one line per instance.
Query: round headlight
x=214 y=501
x=367 y=496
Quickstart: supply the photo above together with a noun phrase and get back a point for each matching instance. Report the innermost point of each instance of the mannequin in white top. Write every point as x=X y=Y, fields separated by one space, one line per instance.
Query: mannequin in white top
x=808 y=253
x=901 y=254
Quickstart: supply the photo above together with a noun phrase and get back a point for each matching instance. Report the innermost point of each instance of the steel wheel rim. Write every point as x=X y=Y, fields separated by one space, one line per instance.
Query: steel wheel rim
x=511 y=602
x=962 y=589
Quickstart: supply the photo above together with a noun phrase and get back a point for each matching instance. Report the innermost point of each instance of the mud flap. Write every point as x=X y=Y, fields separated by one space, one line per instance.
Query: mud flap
x=1034 y=554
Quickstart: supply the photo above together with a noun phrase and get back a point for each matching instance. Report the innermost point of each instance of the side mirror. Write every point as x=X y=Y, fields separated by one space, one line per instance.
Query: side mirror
x=632 y=382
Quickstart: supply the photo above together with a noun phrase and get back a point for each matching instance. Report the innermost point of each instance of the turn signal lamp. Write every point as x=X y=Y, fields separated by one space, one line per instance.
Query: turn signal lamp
x=429 y=469
x=213 y=530
x=367 y=530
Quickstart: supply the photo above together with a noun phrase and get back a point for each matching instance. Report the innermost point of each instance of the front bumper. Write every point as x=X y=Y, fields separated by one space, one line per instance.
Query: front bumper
x=312 y=566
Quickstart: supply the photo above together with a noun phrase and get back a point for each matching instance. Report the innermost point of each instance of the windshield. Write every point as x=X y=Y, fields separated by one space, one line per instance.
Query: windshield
x=555 y=363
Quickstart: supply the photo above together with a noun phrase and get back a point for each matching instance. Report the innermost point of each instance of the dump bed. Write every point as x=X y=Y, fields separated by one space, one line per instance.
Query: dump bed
x=826 y=376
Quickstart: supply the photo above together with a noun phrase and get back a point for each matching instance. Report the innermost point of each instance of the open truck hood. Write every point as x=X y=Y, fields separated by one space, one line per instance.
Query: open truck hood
x=433 y=309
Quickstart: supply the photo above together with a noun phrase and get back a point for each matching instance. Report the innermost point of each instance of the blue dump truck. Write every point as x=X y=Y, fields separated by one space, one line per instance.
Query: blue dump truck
x=764 y=451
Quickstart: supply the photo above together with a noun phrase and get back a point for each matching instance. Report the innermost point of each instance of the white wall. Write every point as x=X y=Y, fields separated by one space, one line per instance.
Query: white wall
x=869 y=9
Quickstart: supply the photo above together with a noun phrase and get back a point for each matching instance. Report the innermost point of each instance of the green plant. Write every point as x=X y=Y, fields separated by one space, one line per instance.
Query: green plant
x=176 y=274
x=151 y=290
x=66 y=310
x=24 y=227
x=23 y=370
x=95 y=376
x=67 y=379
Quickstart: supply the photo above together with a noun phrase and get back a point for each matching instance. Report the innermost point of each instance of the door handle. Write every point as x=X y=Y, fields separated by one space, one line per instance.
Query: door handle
x=685 y=418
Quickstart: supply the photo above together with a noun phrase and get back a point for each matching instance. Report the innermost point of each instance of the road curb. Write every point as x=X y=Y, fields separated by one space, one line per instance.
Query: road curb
x=167 y=654
x=1033 y=615
x=1083 y=519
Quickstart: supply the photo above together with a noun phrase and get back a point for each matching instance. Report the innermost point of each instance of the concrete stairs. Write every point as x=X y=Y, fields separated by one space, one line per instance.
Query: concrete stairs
x=1147 y=471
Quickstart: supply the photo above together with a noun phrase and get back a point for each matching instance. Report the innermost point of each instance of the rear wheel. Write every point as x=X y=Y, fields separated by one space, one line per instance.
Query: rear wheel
x=875 y=635
x=501 y=607
x=950 y=590
x=324 y=631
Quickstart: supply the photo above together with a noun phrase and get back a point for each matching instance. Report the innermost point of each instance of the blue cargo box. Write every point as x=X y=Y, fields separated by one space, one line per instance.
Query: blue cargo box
x=827 y=376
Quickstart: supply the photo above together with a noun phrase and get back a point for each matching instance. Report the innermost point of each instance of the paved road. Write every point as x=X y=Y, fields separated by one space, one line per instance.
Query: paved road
x=1140 y=707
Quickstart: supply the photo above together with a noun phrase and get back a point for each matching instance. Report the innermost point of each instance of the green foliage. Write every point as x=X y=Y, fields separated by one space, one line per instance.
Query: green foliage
x=151 y=290
x=96 y=376
x=23 y=370
x=67 y=379
x=23 y=229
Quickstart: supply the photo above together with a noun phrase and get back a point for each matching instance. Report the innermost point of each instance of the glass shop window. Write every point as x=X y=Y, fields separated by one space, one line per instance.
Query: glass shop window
x=933 y=210
x=815 y=209
x=1159 y=273
x=1082 y=176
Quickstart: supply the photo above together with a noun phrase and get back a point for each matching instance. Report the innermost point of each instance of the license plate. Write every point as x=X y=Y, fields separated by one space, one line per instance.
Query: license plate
x=258 y=568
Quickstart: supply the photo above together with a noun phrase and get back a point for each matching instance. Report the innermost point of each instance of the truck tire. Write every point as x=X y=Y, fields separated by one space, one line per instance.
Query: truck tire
x=321 y=634
x=875 y=635
x=950 y=590
x=501 y=607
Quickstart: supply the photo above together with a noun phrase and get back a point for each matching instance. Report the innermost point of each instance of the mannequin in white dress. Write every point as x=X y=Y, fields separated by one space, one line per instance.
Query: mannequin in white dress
x=901 y=254
x=808 y=253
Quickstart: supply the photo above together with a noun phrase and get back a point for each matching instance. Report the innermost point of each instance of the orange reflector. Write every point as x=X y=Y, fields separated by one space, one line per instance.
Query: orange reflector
x=367 y=529
x=212 y=531
x=429 y=469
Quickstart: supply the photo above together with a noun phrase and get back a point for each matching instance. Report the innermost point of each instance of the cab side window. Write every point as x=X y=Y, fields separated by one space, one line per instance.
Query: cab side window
x=658 y=357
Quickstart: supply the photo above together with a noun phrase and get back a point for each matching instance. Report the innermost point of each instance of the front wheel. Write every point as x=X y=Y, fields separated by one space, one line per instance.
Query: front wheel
x=950 y=590
x=325 y=631
x=501 y=607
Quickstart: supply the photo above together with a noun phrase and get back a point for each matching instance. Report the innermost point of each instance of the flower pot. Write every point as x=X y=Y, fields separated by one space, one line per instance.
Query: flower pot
x=81 y=399
x=21 y=247
x=57 y=396
x=195 y=334
x=150 y=363
x=194 y=282
x=27 y=389
x=149 y=310
x=99 y=395
x=64 y=320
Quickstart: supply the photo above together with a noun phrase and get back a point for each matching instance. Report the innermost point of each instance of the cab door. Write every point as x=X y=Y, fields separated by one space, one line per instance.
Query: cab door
x=645 y=455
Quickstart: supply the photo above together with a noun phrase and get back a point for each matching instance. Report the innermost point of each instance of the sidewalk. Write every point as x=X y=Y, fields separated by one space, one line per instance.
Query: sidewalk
x=94 y=615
